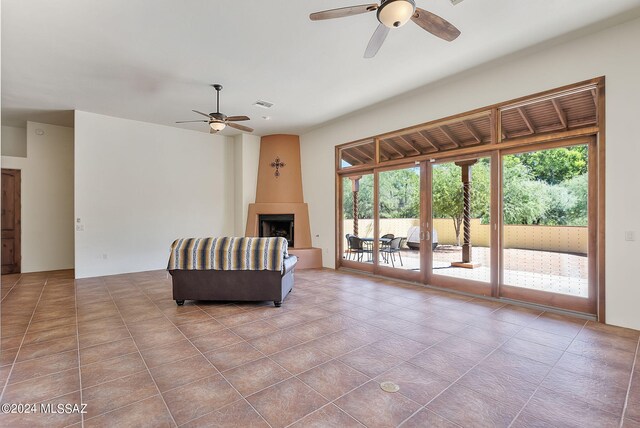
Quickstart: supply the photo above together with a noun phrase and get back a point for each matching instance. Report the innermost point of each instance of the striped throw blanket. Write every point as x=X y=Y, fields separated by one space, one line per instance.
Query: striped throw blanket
x=228 y=254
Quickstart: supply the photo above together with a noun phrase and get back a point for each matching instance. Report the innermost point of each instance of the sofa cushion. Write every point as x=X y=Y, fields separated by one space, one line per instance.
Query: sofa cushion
x=228 y=253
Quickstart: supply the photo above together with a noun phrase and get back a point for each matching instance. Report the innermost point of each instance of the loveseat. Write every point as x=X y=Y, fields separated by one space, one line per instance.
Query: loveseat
x=229 y=268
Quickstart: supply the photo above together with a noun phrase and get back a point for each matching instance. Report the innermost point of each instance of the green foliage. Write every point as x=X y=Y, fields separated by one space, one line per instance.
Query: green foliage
x=365 y=197
x=560 y=201
x=546 y=187
x=400 y=193
x=534 y=196
x=578 y=188
x=524 y=199
x=448 y=197
x=557 y=165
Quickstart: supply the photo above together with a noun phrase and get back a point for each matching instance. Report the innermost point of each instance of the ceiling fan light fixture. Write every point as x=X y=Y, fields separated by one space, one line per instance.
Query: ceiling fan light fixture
x=396 y=13
x=217 y=126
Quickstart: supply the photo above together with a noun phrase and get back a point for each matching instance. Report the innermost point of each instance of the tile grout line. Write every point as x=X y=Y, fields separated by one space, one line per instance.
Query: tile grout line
x=545 y=378
x=336 y=358
x=71 y=368
x=522 y=327
x=370 y=379
x=296 y=375
x=202 y=354
x=626 y=398
x=269 y=357
x=148 y=292
x=141 y=357
x=319 y=409
x=461 y=376
x=11 y=289
x=436 y=343
x=6 y=383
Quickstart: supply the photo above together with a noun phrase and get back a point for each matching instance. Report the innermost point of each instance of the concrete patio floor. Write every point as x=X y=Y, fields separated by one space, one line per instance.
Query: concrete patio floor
x=538 y=270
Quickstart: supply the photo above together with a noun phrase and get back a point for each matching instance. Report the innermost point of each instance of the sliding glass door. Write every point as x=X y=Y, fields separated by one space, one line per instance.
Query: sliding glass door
x=399 y=238
x=509 y=223
x=546 y=227
x=461 y=232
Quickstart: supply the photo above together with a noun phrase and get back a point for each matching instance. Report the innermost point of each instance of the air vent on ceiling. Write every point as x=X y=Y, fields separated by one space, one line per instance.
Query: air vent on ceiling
x=263 y=104
x=455 y=2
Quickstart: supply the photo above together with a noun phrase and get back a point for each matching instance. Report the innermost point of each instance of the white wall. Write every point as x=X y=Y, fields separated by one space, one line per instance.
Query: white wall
x=139 y=186
x=610 y=52
x=47 y=197
x=247 y=156
x=14 y=141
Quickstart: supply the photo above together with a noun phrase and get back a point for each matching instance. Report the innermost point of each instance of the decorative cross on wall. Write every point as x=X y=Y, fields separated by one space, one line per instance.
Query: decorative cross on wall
x=277 y=165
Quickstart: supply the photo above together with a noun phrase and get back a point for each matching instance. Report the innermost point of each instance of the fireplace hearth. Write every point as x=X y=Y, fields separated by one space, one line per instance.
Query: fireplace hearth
x=277 y=225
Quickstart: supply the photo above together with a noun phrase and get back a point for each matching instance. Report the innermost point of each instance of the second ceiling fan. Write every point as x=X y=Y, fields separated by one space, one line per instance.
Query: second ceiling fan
x=218 y=121
x=393 y=14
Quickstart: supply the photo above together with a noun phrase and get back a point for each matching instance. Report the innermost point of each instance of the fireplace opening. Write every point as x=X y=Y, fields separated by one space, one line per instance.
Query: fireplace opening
x=277 y=225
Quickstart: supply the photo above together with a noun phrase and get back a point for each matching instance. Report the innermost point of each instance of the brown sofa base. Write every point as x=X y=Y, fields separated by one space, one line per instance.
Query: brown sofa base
x=237 y=285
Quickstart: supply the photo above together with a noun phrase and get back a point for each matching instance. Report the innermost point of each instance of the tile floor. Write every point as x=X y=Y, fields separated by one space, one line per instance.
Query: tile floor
x=123 y=347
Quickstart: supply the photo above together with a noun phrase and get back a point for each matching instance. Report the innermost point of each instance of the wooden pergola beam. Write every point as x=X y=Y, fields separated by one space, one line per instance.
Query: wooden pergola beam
x=411 y=144
x=450 y=136
x=472 y=130
x=353 y=158
x=384 y=155
x=426 y=137
x=435 y=124
x=384 y=152
x=527 y=122
x=363 y=153
x=561 y=114
x=394 y=147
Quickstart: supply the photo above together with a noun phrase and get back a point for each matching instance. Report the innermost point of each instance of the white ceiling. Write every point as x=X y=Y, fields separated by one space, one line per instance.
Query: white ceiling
x=152 y=60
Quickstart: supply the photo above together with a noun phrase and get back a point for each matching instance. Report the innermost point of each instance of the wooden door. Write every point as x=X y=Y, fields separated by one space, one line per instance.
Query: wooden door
x=10 y=221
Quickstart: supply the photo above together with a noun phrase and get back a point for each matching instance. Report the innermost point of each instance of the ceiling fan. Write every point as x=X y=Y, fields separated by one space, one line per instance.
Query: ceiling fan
x=393 y=14
x=218 y=121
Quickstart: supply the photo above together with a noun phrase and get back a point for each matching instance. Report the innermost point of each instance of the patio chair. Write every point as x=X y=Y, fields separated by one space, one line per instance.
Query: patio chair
x=391 y=251
x=357 y=248
x=384 y=243
x=348 y=250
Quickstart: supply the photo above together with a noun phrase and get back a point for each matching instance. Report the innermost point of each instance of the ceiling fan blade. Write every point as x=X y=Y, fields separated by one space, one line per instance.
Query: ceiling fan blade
x=343 y=11
x=189 y=121
x=437 y=26
x=376 y=41
x=240 y=127
x=199 y=112
x=237 y=118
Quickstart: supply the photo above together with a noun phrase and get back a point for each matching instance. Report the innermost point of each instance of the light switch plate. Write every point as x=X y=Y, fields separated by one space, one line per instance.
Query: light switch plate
x=630 y=235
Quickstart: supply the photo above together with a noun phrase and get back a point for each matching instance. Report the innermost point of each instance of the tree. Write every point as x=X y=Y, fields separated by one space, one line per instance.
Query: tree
x=400 y=193
x=556 y=165
x=546 y=187
x=447 y=192
x=524 y=199
x=560 y=201
x=578 y=188
x=365 y=198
